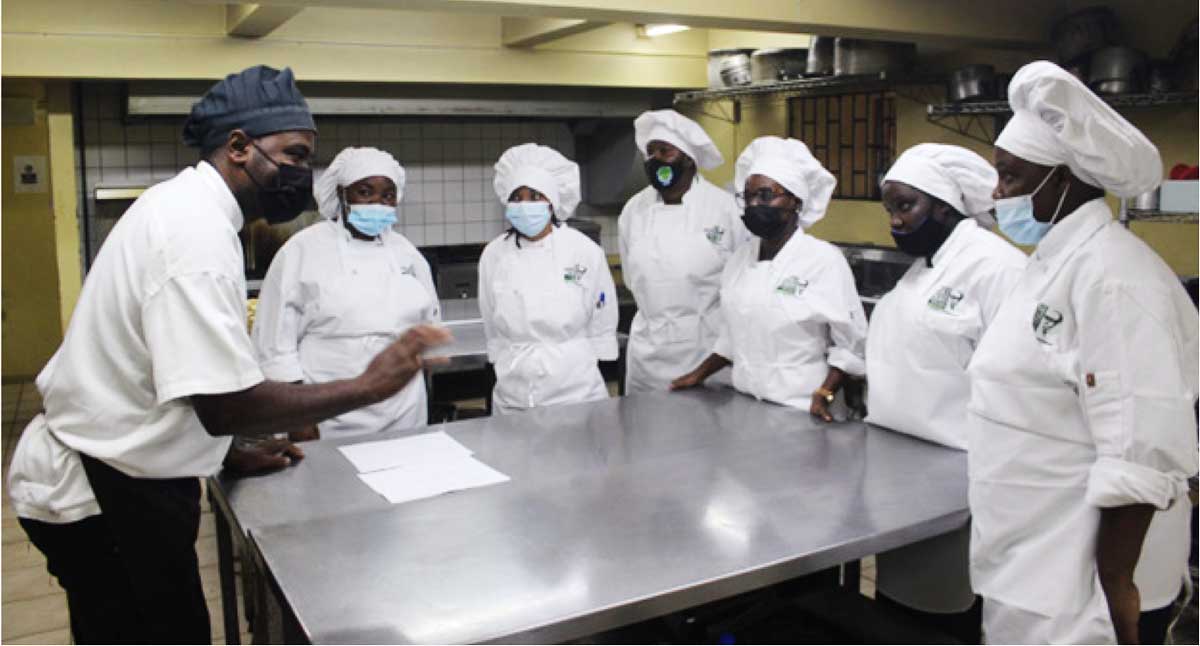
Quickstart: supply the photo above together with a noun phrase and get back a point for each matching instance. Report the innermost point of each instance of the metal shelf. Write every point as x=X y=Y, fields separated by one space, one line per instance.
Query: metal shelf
x=1116 y=100
x=814 y=85
x=1132 y=215
x=982 y=120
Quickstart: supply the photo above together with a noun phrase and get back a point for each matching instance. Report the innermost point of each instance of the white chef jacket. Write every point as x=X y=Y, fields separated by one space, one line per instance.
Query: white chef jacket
x=919 y=342
x=330 y=303
x=161 y=317
x=1081 y=398
x=786 y=321
x=549 y=314
x=671 y=259
x=923 y=332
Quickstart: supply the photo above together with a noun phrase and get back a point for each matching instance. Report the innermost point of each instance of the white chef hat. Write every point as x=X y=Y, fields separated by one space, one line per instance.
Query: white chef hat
x=953 y=174
x=1058 y=120
x=543 y=169
x=679 y=131
x=789 y=162
x=351 y=165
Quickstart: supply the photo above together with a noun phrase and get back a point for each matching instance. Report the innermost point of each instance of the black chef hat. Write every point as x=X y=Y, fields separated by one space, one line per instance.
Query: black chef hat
x=260 y=100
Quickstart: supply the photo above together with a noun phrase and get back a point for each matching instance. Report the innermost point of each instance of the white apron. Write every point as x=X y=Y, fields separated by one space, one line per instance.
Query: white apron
x=788 y=320
x=368 y=302
x=672 y=258
x=540 y=316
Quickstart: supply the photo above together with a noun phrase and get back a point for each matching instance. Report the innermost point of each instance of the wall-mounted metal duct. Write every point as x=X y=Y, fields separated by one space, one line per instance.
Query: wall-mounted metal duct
x=147 y=99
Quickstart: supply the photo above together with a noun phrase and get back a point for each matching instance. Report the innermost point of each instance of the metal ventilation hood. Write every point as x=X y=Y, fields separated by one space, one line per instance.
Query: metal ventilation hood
x=151 y=99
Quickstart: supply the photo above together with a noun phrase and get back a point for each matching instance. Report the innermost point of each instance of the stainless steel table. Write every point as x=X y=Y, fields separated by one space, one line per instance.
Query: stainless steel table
x=617 y=511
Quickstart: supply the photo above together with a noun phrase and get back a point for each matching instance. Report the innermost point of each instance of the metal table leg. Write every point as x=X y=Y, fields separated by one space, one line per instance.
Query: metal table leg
x=225 y=570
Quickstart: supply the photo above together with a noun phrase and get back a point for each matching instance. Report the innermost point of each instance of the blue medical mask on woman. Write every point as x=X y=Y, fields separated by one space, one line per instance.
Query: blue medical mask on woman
x=1014 y=215
x=372 y=219
x=529 y=218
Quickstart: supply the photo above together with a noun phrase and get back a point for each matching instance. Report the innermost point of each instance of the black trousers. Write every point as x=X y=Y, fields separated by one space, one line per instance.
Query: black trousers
x=154 y=525
x=84 y=559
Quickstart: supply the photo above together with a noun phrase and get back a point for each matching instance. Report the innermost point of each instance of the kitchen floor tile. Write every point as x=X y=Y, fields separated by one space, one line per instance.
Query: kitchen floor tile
x=32 y=616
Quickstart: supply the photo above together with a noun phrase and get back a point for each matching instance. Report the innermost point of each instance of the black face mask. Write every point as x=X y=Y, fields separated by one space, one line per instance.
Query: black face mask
x=290 y=194
x=924 y=240
x=766 y=222
x=663 y=176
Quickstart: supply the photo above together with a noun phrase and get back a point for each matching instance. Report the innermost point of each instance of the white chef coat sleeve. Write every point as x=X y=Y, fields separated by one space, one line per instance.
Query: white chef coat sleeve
x=623 y=224
x=425 y=275
x=278 y=320
x=195 y=329
x=487 y=304
x=1136 y=393
x=848 y=322
x=602 y=326
x=724 y=344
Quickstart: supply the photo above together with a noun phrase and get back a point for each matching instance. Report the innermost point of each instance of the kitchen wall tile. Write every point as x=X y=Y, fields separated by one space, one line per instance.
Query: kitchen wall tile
x=455 y=212
x=431 y=172
x=138 y=156
x=435 y=234
x=435 y=212
x=165 y=133
x=455 y=233
x=370 y=131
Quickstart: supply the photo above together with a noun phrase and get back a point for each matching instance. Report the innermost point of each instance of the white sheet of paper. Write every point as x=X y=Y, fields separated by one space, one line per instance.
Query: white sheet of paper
x=412 y=451
x=452 y=473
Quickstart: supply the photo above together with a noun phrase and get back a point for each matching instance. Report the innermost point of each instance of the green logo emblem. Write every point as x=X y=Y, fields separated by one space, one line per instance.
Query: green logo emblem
x=574 y=275
x=408 y=271
x=945 y=300
x=792 y=286
x=714 y=234
x=664 y=175
x=1045 y=320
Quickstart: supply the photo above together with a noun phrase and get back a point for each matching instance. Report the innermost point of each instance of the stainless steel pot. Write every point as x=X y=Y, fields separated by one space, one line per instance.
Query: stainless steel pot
x=771 y=65
x=1117 y=70
x=729 y=67
x=853 y=56
x=820 y=56
x=972 y=82
x=1084 y=32
x=1147 y=201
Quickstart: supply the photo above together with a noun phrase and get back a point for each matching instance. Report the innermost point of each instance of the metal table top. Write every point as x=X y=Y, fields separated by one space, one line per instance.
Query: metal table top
x=617 y=511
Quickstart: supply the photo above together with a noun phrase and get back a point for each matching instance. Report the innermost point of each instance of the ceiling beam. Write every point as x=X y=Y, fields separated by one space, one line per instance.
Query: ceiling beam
x=530 y=32
x=257 y=20
x=983 y=22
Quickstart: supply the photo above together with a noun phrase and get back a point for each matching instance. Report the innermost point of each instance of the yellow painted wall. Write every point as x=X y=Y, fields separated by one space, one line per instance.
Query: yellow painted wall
x=31 y=325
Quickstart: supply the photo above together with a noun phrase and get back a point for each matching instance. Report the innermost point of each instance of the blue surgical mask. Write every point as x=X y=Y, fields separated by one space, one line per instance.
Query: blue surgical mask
x=529 y=218
x=1014 y=215
x=372 y=219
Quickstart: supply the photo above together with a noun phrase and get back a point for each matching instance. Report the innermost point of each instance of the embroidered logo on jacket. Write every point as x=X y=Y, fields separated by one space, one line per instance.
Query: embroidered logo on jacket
x=574 y=275
x=946 y=300
x=410 y=270
x=792 y=286
x=1045 y=320
x=714 y=234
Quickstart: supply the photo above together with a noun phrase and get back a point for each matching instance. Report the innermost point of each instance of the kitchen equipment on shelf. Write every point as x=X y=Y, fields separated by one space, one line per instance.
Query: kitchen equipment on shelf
x=820 y=56
x=972 y=83
x=1160 y=76
x=855 y=56
x=1147 y=201
x=729 y=67
x=1117 y=70
x=1084 y=32
x=778 y=64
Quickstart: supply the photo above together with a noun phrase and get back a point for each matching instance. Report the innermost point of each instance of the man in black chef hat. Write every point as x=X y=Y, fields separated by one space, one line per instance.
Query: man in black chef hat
x=156 y=372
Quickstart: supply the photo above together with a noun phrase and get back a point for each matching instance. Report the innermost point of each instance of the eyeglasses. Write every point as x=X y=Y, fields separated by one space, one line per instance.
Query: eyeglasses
x=761 y=196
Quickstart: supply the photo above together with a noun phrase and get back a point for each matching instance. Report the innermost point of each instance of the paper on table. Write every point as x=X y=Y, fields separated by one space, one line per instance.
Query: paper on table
x=403 y=484
x=415 y=450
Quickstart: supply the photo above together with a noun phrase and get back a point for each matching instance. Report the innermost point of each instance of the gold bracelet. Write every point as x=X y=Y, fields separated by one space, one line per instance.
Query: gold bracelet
x=827 y=394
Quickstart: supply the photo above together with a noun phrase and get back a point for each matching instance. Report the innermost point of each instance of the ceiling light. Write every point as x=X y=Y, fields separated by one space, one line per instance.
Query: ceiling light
x=650 y=31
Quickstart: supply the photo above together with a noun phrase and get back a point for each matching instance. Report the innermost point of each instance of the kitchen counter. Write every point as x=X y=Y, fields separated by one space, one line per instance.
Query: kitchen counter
x=618 y=510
